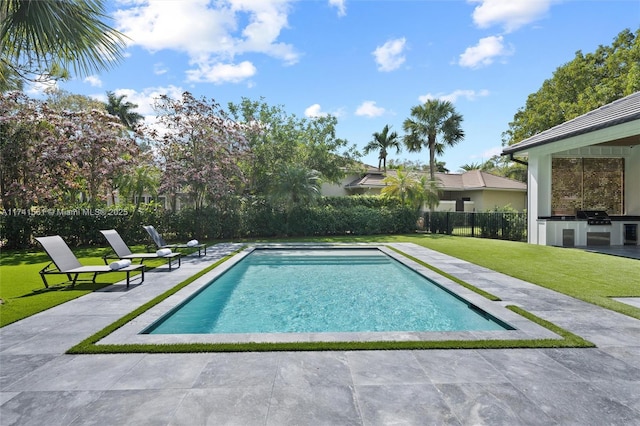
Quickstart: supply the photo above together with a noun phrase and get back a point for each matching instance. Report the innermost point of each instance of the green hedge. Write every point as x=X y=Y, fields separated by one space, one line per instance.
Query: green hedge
x=251 y=217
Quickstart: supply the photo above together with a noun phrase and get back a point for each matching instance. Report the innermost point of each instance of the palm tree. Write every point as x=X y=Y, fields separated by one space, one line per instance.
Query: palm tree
x=382 y=142
x=122 y=110
x=434 y=125
x=402 y=185
x=144 y=178
x=428 y=193
x=471 y=166
x=9 y=78
x=294 y=185
x=47 y=38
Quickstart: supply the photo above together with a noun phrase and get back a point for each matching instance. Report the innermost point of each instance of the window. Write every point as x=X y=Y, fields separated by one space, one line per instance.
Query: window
x=587 y=184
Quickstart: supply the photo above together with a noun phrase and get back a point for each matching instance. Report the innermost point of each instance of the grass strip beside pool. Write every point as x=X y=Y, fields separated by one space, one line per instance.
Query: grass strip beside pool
x=90 y=346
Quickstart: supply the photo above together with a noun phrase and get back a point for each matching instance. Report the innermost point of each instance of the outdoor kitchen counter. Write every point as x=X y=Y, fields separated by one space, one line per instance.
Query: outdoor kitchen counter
x=568 y=231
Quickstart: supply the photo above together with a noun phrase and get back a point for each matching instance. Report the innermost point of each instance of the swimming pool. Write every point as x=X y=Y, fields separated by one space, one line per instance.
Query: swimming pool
x=322 y=291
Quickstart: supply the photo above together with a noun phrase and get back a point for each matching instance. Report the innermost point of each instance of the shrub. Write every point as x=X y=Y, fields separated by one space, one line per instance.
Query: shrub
x=252 y=217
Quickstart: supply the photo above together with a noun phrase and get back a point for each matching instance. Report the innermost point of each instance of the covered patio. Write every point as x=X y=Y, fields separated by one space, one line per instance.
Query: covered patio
x=584 y=179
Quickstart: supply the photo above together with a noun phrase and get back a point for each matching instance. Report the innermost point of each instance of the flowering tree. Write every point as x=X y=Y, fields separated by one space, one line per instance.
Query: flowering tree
x=200 y=149
x=47 y=154
x=34 y=165
x=102 y=149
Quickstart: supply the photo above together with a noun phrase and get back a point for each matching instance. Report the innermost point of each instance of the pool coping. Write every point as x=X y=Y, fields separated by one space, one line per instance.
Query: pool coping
x=129 y=333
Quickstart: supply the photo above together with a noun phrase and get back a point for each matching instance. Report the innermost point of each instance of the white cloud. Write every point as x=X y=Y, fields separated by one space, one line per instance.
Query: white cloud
x=510 y=14
x=146 y=98
x=159 y=68
x=222 y=73
x=369 y=109
x=93 y=80
x=41 y=85
x=484 y=52
x=389 y=56
x=208 y=32
x=315 y=111
x=470 y=95
x=340 y=5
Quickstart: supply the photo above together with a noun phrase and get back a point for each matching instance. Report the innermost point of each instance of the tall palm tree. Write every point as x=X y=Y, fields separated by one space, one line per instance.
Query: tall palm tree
x=433 y=125
x=51 y=37
x=122 y=110
x=382 y=142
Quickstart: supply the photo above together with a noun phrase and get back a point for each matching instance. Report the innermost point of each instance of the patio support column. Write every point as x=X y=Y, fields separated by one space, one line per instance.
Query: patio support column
x=632 y=182
x=539 y=195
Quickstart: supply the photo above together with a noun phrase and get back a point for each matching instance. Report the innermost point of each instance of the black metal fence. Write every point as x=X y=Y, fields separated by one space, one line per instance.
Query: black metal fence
x=496 y=225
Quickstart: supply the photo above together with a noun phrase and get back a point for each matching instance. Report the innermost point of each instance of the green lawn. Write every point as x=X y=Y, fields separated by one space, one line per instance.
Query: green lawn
x=23 y=293
x=594 y=278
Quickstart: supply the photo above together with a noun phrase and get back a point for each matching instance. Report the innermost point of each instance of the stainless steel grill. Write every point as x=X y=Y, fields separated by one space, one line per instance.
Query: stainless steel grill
x=594 y=217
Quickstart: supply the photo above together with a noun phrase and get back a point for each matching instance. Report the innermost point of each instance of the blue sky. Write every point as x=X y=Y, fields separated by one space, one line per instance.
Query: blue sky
x=365 y=61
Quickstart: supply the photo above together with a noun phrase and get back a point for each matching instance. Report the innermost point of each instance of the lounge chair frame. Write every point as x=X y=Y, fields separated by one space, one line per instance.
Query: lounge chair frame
x=122 y=251
x=64 y=262
x=161 y=243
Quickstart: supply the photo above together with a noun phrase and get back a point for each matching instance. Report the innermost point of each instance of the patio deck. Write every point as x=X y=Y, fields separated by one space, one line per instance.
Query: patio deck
x=39 y=384
x=631 y=252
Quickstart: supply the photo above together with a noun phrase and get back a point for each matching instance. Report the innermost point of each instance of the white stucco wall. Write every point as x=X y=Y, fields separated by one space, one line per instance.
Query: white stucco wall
x=490 y=200
x=333 y=190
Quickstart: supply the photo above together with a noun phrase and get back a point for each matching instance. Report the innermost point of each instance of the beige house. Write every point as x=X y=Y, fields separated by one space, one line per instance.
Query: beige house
x=474 y=190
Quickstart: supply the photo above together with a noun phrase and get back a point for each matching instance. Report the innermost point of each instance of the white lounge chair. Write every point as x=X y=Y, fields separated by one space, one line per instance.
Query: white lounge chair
x=122 y=251
x=160 y=242
x=64 y=262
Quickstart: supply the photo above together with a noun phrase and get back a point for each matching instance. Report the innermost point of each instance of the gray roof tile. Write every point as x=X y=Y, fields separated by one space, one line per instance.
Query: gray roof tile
x=470 y=180
x=617 y=112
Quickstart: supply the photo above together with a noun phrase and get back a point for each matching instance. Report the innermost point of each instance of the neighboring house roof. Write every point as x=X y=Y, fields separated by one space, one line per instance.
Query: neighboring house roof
x=369 y=180
x=617 y=112
x=467 y=181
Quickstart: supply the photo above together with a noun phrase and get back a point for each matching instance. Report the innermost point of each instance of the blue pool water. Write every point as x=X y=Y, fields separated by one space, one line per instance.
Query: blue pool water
x=308 y=291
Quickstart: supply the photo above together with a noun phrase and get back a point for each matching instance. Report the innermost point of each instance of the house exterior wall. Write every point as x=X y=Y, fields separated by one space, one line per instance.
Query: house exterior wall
x=479 y=199
x=332 y=190
x=450 y=206
x=490 y=200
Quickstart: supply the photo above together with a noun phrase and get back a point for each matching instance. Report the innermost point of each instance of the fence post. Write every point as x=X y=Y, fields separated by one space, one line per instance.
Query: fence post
x=503 y=225
x=446 y=224
x=473 y=223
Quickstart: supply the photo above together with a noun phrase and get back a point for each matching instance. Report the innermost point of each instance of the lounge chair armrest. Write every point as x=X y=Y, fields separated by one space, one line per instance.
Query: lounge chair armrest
x=50 y=268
